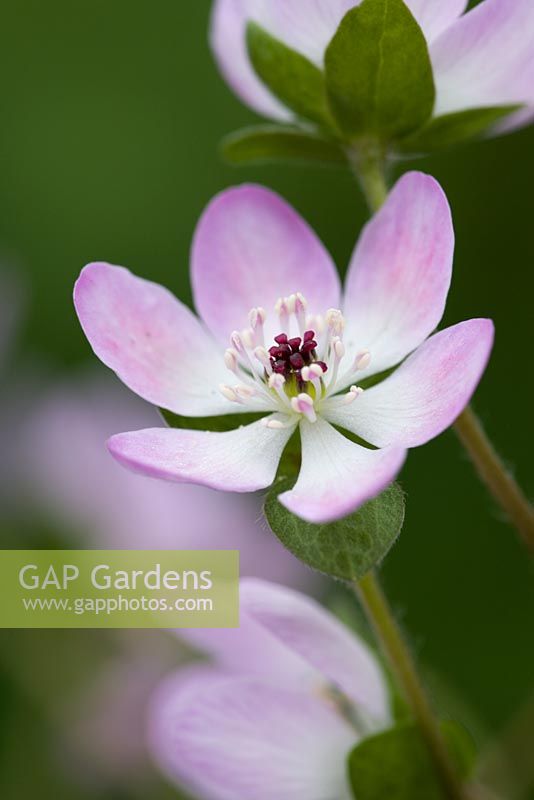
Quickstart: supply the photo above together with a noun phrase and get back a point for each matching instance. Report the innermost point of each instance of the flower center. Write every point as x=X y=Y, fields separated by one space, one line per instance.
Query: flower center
x=300 y=371
x=296 y=359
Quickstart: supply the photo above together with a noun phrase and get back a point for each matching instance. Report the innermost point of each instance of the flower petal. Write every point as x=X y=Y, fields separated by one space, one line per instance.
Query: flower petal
x=486 y=58
x=306 y=628
x=250 y=249
x=250 y=650
x=434 y=16
x=337 y=475
x=248 y=739
x=242 y=460
x=400 y=274
x=156 y=345
x=304 y=26
x=426 y=393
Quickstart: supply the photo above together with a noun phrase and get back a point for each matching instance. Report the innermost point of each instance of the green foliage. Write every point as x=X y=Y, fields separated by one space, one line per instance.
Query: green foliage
x=347 y=548
x=451 y=129
x=379 y=77
x=275 y=143
x=396 y=764
x=290 y=76
x=226 y=422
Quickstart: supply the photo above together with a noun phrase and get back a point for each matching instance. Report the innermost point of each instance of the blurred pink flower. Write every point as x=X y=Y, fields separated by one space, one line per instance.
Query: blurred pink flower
x=252 y=251
x=289 y=694
x=68 y=472
x=499 y=33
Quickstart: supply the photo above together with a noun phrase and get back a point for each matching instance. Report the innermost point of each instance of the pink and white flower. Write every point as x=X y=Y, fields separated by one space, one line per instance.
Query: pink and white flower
x=290 y=693
x=264 y=285
x=481 y=58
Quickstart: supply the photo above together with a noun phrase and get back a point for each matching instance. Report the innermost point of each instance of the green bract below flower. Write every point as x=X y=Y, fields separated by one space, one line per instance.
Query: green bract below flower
x=278 y=340
x=407 y=76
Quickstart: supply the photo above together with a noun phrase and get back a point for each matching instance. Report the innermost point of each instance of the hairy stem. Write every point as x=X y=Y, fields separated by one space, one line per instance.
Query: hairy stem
x=494 y=474
x=399 y=657
x=369 y=167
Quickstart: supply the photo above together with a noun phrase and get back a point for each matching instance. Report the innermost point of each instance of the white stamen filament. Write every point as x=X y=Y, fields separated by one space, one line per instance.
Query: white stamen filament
x=303 y=404
x=245 y=392
x=337 y=352
x=257 y=319
x=362 y=360
x=277 y=382
x=300 y=312
x=275 y=424
x=248 y=337
x=282 y=308
x=263 y=357
x=335 y=322
x=229 y=393
x=231 y=360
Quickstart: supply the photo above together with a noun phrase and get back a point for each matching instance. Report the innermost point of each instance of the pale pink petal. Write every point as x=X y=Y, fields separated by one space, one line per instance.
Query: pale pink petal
x=249 y=739
x=400 y=274
x=337 y=475
x=242 y=460
x=426 y=393
x=250 y=650
x=157 y=347
x=486 y=58
x=304 y=25
x=302 y=625
x=250 y=249
x=434 y=16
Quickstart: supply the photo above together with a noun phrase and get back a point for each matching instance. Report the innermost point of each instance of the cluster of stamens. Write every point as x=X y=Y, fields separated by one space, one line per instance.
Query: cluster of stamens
x=289 y=357
x=297 y=373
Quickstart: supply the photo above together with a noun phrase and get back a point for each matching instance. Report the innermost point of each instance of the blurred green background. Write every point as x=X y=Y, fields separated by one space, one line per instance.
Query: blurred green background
x=110 y=119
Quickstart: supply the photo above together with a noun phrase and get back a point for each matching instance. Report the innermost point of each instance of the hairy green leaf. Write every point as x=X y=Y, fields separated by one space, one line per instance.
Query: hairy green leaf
x=396 y=764
x=451 y=129
x=347 y=548
x=290 y=76
x=379 y=76
x=275 y=143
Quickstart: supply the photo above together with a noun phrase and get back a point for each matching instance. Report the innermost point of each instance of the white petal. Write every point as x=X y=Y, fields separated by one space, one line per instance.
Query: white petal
x=242 y=460
x=337 y=475
x=426 y=393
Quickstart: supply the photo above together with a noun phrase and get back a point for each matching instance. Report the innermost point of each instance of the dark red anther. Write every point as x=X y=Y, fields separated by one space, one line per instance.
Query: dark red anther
x=322 y=365
x=282 y=351
x=296 y=361
x=308 y=346
x=289 y=356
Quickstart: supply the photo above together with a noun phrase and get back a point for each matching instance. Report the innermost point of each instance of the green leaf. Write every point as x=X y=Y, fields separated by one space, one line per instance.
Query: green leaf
x=396 y=764
x=379 y=77
x=275 y=143
x=451 y=129
x=226 y=422
x=290 y=76
x=347 y=548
